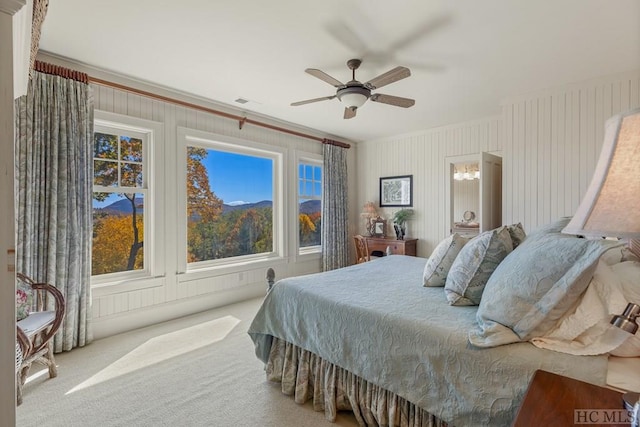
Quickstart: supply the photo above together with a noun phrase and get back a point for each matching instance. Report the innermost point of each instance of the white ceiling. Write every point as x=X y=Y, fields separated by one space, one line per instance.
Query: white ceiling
x=465 y=55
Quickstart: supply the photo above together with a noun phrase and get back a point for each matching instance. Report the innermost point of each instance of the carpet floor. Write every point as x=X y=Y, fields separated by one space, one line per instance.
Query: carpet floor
x=199 y=370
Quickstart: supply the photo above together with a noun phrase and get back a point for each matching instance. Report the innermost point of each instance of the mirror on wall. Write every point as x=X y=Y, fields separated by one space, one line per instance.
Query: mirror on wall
x=474 y=193
x=466 y=198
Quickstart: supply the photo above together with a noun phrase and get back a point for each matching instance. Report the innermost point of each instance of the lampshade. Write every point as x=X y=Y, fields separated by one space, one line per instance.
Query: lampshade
x=369 y=209
x=610 y=207
x=353 y=96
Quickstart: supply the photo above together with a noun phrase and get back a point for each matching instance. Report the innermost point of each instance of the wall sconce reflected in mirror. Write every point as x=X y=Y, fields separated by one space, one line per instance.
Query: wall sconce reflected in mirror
x=470 y=173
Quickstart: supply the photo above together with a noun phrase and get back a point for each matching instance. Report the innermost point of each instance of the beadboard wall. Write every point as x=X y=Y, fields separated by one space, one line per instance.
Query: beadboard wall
x=552 y=141
x=549 y=140
x=423 y=155
x=135 y=303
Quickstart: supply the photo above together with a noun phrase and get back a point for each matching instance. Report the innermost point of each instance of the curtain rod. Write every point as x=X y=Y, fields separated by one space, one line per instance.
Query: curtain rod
x=241 y=120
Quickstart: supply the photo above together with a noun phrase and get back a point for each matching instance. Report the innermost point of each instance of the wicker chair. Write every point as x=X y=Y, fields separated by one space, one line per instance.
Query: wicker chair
x=35 y=332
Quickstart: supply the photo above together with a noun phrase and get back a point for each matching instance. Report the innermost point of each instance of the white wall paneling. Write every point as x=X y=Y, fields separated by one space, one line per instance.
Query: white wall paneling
x=423 y=156
x=552 y=141
x=136 y=303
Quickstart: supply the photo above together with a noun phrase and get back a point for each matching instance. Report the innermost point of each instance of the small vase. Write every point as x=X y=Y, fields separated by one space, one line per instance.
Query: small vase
x=398 y=231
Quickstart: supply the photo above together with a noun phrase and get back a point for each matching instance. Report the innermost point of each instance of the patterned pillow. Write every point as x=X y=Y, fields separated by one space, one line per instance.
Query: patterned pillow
x=534 y=287
x=516 y=231
x=24 y=300
x=474 y=264
x=440 y=261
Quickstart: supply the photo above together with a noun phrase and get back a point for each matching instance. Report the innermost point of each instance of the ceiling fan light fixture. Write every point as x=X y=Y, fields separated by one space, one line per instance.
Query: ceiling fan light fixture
x=354 y=96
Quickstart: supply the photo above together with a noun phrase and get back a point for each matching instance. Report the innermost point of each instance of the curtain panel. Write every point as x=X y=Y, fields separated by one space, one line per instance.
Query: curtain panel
x=54 y=175
x=334 y=208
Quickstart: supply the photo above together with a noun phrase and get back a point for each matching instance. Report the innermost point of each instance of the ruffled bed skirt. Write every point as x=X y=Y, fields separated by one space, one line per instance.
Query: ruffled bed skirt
x=307 y=376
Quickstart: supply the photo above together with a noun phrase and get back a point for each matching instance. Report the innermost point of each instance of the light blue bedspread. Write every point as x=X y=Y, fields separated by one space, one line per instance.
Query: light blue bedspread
x=377 y=321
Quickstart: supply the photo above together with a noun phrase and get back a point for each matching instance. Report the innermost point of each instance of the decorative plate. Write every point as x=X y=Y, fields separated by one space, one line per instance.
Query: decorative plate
x=468 y=216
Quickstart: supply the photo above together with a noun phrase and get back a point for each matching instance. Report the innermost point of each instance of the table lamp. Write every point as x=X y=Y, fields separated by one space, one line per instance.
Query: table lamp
x=369 y=213
x=611 y=205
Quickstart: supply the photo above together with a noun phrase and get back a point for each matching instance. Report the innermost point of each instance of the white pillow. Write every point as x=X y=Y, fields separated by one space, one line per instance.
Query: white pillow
x=629 y=348
x=618 y=255
x=629 y=274
x=586 y=329
x=440 y=261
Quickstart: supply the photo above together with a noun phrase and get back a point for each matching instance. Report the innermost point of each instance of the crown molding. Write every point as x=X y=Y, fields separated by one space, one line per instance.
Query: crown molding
x=11 y=7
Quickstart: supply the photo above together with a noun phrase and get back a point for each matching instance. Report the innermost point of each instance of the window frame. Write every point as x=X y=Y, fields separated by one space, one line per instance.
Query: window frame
x=313 y=160
x=211 y=141
x=152 y=136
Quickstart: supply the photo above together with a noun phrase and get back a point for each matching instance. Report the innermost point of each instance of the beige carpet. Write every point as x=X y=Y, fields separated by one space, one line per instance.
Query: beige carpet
x=196 y=371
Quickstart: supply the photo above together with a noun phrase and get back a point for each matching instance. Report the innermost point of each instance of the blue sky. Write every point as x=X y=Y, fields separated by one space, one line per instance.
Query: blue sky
x=235 y=177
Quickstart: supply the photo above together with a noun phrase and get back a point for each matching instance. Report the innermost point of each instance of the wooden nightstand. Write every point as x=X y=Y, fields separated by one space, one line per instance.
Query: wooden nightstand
x=398 y=247
x=552 y=400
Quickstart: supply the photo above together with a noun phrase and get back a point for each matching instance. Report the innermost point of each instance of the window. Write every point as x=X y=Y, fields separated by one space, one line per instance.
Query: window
x=124 y=230
x=309 y=203
x=230 y=195
x=119 y=190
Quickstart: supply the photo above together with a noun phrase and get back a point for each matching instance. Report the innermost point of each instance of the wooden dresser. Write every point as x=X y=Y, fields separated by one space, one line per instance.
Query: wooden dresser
x=398 y=247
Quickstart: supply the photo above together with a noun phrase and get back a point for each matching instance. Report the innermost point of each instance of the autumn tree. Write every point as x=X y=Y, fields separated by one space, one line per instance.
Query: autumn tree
x=307 y=227
x=201 y=202
x=112 y=240
x=310 y=226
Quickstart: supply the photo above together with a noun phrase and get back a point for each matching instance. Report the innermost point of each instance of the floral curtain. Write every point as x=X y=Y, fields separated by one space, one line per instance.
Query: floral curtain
x=53 y=175
x=334 y=208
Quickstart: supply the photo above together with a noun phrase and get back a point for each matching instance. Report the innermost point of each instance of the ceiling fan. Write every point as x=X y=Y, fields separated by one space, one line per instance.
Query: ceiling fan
x=354 y=94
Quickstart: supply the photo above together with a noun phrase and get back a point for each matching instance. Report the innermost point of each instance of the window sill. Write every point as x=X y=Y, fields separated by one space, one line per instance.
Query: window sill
x=229 y=268
x=125 y=285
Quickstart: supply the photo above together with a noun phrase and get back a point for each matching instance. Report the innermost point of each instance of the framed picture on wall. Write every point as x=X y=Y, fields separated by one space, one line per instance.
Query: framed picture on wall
x=396 y=191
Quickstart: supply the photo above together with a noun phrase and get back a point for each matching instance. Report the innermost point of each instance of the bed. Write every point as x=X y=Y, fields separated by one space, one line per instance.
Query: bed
x=371 y=339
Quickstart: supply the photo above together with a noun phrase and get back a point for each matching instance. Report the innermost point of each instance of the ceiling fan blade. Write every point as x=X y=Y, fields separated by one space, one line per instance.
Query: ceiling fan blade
x=345 y=35
x=393 y=100
x=324 y=77
x=389 y=77
x=349 y=112
x=309 y=101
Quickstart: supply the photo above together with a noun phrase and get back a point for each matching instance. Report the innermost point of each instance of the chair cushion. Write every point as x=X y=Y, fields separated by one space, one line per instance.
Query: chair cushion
x=24 y=300
x=36 y=322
